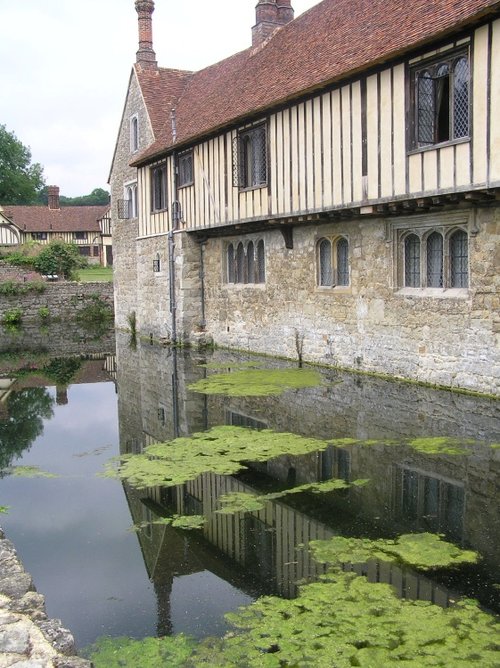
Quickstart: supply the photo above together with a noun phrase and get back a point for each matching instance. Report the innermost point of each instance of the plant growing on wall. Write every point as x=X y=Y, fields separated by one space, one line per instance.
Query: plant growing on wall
x=12 y=317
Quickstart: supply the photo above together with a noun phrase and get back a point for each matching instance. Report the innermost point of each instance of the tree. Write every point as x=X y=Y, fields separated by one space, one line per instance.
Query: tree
x=59 y=258
x=97 y=197
x=27 y=409
x=20 y=180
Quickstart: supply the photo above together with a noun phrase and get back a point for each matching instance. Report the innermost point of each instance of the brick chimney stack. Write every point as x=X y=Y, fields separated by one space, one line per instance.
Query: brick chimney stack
x=270 y=15
x=53 y=196
x=285 y=11
x=146 y=57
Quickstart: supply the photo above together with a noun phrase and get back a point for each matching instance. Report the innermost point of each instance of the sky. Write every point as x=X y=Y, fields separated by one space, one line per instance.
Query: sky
x=65 y=66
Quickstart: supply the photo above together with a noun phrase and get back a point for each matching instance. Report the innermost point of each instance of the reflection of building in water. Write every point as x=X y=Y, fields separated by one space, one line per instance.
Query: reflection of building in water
x=407 y=491
x=88 y=368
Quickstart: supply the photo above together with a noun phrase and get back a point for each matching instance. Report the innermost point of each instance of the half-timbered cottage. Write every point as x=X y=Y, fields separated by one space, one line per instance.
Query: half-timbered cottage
x=88 y=227
x=331 y=192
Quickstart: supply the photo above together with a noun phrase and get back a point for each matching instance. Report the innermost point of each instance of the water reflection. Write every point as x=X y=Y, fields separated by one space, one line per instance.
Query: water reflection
x=409 y=490
x=68 y=417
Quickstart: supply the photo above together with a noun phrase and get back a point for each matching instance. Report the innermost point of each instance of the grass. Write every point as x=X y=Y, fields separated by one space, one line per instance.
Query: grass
x=95 y=273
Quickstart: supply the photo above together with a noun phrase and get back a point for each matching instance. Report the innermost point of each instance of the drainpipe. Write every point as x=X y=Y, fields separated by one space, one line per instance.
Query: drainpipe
x=171 y=251
x=202 y=241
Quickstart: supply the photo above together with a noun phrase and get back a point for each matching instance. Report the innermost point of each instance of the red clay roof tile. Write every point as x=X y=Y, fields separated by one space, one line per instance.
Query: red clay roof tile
x=331 y=41
x=66 y=219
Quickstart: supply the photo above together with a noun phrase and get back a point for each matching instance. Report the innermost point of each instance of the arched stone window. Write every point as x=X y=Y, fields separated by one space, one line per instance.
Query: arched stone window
x=333 y=262
x=459 y=260
x=435 y=260
x=412 y=261
x=261 y=262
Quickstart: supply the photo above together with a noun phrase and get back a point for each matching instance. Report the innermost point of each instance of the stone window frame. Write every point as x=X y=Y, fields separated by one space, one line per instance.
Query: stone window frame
x=446 y=225
x=134 y=133
x=244 y=262
x=326 y=282
x=130 y=197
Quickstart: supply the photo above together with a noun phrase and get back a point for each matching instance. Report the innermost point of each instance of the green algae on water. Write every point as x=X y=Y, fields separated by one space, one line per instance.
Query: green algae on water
x=245 y=502
x=441 y=445
x=421 y=550
x=222 y=450
x=28 y=472
x=148 y=653
x=186 y=522
x=257 y=382
x=339 y=622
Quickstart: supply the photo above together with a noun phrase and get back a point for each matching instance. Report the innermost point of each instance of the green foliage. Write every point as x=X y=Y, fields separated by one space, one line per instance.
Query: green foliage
x=147 y=653
x=15 y=288
x=26 y=411
x=12 y=316
x=4 y=509
x=59 y=258
x=420 y=550
x=221 y=450
x=243 y=502
x=62 y=370
x=20 y=258
x=44 y=313
x=97 y=197
x=96 y=310
x=257 y=382
x=20 y=180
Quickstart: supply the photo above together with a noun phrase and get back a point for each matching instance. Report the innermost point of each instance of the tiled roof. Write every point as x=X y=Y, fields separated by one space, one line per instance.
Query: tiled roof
x=161 y=89
x=331 y=41
x=65 y=219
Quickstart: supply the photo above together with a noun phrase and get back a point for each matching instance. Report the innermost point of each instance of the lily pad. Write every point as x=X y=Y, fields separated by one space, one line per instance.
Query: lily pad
x=28 y=472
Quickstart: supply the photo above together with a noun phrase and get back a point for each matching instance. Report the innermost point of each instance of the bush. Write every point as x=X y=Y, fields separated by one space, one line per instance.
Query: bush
x=14 y=288
x=61 y=259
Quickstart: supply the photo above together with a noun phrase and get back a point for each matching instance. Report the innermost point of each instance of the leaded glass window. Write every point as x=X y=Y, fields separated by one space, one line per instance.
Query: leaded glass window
x=442 y=100
x=325 y=262
x=412 y=261
x=435 y=260
x=342 y=262
x=459 y=260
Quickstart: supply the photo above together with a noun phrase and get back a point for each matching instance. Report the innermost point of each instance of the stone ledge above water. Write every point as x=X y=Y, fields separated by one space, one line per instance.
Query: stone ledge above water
x=28 y=638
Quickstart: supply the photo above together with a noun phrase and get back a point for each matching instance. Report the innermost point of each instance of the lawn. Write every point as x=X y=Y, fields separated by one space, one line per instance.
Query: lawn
x=95 y=273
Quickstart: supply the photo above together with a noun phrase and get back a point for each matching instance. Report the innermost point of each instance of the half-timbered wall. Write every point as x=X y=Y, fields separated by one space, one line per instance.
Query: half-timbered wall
x=348 y=147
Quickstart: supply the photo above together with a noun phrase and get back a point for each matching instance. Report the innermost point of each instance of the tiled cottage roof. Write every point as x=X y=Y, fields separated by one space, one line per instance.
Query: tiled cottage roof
x=333 y=40
x=66 y=219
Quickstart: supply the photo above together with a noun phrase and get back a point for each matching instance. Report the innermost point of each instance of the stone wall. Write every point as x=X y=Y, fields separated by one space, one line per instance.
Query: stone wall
x=27 y=636
x=447 y=338
x=444 y=337
x=64 y=300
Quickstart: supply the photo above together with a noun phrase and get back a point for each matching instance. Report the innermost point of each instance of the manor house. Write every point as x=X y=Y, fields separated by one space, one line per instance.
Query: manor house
x=332 y=191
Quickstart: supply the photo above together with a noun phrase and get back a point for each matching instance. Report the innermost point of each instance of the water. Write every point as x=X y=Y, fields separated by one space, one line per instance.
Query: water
x=73 y=532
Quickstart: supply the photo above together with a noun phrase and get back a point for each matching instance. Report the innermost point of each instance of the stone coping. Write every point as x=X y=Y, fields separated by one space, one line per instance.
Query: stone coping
x=28 y=638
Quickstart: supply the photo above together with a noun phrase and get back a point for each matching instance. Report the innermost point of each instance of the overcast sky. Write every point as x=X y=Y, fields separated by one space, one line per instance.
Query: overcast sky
x=65 y=66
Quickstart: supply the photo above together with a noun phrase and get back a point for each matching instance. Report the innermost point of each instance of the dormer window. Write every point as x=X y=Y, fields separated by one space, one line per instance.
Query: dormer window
x=134 y=134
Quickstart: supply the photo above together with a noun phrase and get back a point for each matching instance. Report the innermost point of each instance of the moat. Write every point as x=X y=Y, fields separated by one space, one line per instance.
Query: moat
x=120 y=558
